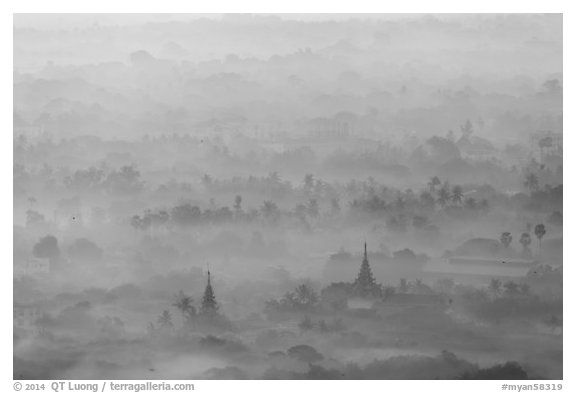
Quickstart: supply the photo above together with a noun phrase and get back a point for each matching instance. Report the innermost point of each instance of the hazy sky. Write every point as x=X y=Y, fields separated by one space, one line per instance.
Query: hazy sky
x=50 y=21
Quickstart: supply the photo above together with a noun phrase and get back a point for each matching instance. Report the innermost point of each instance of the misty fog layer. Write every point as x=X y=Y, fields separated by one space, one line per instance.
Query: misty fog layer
x=288 y=196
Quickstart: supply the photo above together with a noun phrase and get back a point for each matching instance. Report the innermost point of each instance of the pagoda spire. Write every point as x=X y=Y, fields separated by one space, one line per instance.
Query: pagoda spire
x=365 y=284
x=209 y=304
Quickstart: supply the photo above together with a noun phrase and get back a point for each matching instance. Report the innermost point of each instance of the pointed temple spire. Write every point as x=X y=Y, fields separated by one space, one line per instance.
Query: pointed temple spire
x=209 y=304
x=365 y=284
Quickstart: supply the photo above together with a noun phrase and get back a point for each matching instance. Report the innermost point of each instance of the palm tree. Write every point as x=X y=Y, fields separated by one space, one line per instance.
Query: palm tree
x=306 y=296
x=433 y=183
x=540 y=231
x=185 y=305
x=506 y=239
x=443 y=195
x=238 y=203
x=165 y=319
x=525 y=240
x=273 y=178
x=457 y=195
